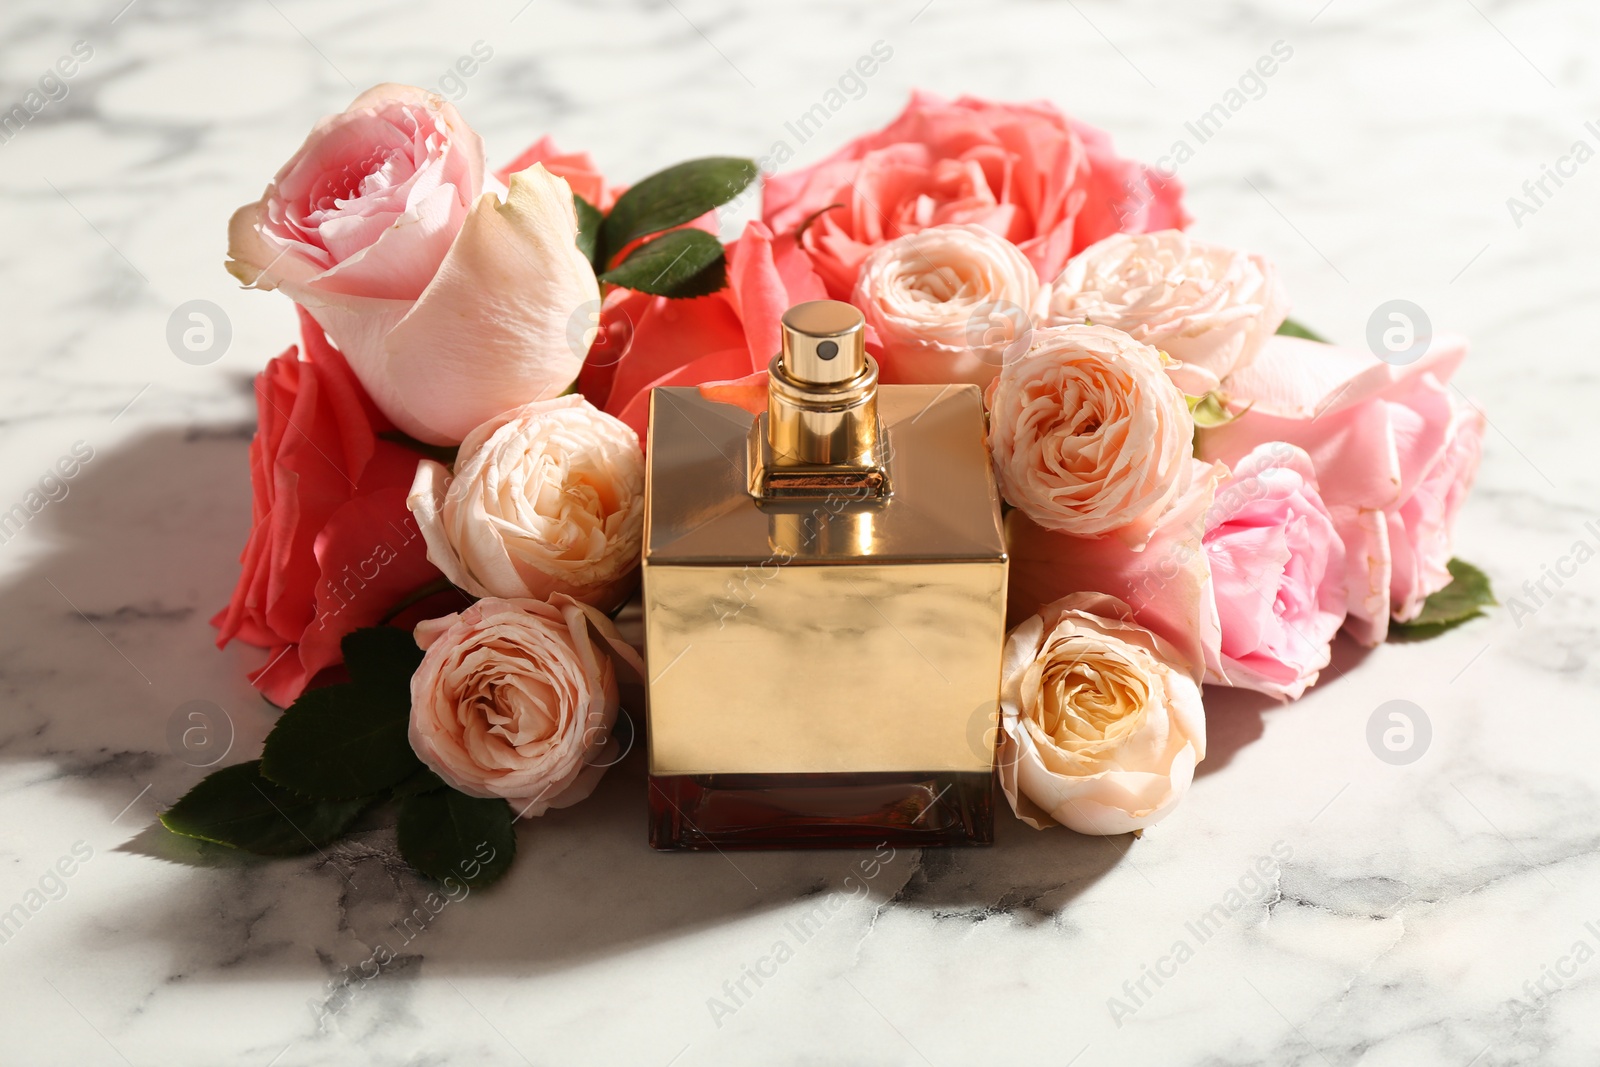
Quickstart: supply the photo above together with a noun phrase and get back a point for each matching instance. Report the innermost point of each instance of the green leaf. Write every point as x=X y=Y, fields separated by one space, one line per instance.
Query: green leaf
x=672 y=197
x=589 y=223
x=341 y=741
x=383 y=659
x=1291 y=328
x=446 y=834
x=423 y=781
x=237 y=807
x=683 y=263
x=1464 y=598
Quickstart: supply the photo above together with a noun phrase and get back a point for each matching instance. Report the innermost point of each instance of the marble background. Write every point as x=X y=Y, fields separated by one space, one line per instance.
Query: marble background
x=1444 y=911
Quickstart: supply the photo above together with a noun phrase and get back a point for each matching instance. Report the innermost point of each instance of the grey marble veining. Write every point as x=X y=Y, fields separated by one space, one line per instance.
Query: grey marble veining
x=1330 y=908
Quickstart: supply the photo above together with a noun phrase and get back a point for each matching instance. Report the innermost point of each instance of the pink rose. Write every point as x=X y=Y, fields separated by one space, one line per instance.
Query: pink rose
x=1277 y=574
x=1243 y=575
x=1088 y=434
x=1049 y=184
x=449 y=305
x=946 y=302
x=518 y=698
x=545 y=498
x=332 y=547
x=1394 y=454
x=1208 y=307
x=1100 y=729
x=730 y=336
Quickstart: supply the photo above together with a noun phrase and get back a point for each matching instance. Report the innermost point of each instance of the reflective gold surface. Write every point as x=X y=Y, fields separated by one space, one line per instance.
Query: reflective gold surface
x=780 y=669
x=944 y=507
x=825 y=635
x=822 y=399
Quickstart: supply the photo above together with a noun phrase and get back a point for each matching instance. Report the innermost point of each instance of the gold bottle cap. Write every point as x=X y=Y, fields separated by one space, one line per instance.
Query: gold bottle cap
x=824 y=341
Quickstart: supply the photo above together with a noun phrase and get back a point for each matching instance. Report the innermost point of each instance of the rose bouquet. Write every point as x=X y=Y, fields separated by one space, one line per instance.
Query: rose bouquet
x=448 y=478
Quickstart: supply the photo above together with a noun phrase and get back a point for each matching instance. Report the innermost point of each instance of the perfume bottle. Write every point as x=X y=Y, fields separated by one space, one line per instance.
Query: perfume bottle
x=824 y=606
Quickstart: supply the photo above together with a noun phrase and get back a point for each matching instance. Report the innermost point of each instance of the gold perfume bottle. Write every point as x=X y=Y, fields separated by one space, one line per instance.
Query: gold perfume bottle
x=824 y=606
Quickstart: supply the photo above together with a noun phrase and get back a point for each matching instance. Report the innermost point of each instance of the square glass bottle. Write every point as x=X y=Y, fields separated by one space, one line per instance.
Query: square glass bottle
x=824 y=607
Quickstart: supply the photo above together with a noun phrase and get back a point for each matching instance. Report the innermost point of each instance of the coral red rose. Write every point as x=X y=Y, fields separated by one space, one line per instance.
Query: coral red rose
x=729 y=336
x=1048 y=183
x=578 y=169
x=332 y=547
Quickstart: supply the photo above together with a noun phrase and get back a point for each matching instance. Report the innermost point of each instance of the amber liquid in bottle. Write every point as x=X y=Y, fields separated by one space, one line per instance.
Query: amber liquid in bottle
x=738 y=811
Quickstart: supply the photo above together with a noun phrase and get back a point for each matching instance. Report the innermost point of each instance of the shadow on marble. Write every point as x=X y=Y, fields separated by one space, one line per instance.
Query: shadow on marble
x=1235 y=717
x=110 y=617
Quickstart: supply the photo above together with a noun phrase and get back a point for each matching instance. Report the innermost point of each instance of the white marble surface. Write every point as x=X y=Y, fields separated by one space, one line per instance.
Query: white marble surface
x=1415 y=902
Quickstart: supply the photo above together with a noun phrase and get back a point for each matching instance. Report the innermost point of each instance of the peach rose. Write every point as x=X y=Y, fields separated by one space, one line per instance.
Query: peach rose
x=1047 y=183
x=945 y=302
x=1088 y=434
x=545 y=498
x=1208 y=307
x=1100 y=732
x=517 y=699
x=449 y=305
x=1394 y=451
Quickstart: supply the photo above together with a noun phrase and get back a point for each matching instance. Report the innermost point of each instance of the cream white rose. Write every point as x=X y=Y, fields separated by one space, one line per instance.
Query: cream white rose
x=518 y=699
x=1208 y=307
x=1100 y=728
x=546 y=498
x=945 y=302
x=1088 y=434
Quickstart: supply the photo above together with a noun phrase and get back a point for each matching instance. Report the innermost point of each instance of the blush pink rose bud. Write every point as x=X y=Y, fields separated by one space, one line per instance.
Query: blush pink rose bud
x=1394 y=449
x=1100 y=729
x=1208 y=307
x=1277 y=574
x=449 y=304
x=946 y=302
x=545 y=498
x=1088 y=434
x=518 y=699
x=1049 y=184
